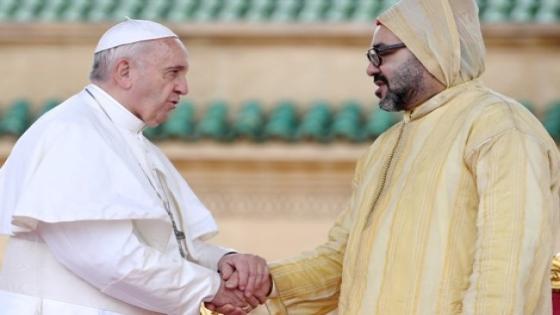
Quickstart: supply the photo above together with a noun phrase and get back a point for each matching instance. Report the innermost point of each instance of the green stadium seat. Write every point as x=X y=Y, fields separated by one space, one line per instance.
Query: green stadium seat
x=233 y=10
x=348 y=122
x=27 y=11
x=259 y=10
x=208 y=10
x=16 y=119
x=524 y=11
x=182 y=10
x=315 y=125
x=249 y=122
x=52 y=9
x=156 y=10
x=386 y=4
x=214 y=124
x=540 y=11
x=76 y=11
x=497 y=11
x=548 y=12
x=551 y=120
x=8 y=9
x=313 y=10
x=127 y=8
x=318 y=123
x=341 y=10
x=181 y=123
x=103 y=11
x=366 y=11
x=282 y=122
x=379 y=121
x=286 y=11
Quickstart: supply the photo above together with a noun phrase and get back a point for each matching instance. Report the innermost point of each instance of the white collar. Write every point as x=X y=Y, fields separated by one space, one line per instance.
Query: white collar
x=118 y=114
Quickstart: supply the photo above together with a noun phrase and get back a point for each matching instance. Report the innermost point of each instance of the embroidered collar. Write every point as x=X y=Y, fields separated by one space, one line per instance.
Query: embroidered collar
x=439 y=100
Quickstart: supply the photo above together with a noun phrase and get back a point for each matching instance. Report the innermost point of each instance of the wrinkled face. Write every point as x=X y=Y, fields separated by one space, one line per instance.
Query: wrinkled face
x=159 y=80
x=399 y=77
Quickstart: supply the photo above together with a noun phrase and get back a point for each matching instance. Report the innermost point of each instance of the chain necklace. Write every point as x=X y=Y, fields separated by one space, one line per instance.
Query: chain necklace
x=179 y=235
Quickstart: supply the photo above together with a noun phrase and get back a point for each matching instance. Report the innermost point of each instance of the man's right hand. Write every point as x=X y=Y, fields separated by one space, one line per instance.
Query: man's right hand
x=231 y=302
x=260 y=292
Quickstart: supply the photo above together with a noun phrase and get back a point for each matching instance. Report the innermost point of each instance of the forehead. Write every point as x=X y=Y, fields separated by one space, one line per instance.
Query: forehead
x=382 y=35
x=168 y=52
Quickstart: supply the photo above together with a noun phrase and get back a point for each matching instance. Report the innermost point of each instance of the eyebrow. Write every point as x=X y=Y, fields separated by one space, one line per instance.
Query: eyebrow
x=172 y=68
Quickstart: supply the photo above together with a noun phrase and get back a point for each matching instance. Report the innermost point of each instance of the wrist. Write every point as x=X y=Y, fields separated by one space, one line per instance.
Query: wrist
x=222 y=258
x=215 y=288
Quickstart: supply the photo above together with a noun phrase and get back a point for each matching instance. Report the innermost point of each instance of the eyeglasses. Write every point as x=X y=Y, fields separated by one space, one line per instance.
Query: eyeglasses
x=374 y=54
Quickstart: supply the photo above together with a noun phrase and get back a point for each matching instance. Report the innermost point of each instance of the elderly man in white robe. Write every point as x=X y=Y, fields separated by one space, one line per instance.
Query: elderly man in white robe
x=100 y=222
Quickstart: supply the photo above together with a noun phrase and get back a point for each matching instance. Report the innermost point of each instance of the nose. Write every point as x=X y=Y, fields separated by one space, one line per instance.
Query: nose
x=182 y=87
x=372 y=70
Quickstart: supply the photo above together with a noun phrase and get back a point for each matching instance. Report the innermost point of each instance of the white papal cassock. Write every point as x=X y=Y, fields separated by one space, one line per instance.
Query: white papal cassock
x=82 y=197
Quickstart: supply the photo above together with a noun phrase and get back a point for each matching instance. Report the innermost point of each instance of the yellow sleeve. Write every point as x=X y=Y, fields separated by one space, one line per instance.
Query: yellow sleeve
x=310 y=283
x=205 y=311
x=515 y=232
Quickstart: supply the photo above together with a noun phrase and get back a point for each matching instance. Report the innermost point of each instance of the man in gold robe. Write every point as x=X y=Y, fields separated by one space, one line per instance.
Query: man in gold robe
x=455 y=209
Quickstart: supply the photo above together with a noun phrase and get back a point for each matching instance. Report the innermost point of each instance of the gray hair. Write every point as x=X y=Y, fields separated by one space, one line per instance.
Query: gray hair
x=104 y=60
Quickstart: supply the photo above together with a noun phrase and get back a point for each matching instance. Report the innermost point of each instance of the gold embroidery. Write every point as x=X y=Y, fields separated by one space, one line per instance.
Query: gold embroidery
x=555 y=272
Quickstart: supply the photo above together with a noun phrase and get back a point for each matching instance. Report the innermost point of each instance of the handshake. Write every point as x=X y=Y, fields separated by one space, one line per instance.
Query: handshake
x=245 y=284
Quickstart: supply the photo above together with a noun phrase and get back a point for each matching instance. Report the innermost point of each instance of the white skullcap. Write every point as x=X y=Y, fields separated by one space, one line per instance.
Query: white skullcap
x=132 y=31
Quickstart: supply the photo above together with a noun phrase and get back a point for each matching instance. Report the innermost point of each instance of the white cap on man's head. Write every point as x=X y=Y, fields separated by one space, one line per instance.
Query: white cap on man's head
x=132 y=31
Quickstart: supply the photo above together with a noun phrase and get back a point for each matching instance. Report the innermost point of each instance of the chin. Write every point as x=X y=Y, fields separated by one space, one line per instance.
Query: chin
x=153 y=123
x=159 y=120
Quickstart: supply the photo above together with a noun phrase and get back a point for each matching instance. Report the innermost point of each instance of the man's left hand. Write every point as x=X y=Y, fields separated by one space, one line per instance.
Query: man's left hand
x=251 y=273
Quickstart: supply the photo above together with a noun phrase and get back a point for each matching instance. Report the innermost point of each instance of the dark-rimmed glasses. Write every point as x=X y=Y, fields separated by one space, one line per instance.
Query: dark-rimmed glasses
x=374 y=54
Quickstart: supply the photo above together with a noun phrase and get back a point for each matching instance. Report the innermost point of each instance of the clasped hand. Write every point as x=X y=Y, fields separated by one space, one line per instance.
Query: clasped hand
x=245 y=284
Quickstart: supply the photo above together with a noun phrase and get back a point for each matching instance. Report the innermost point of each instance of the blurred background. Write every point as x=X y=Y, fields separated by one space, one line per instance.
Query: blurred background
x=279 y=108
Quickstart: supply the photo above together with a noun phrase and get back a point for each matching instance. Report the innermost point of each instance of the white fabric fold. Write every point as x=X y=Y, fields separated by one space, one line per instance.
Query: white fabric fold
x=87 y=181
x=109 y=256
x=75 y=164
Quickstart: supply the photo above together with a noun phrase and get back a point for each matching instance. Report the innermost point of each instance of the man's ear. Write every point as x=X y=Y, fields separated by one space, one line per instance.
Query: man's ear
x=122 y=74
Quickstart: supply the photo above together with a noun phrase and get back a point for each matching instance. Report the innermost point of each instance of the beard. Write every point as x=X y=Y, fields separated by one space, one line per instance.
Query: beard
x=403 y=87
